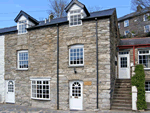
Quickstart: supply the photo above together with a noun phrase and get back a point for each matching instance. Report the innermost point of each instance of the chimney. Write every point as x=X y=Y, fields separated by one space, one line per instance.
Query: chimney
x=139 y=8
x=45 y=20
x=51 y=16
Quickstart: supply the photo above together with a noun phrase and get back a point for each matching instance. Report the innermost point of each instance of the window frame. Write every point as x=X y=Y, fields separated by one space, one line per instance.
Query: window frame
x=18 y=66
x=145 y=85
x=21 y=27
x=145 y=28
x=119 y=25
x=144 y=19
x=143 y=54
x=125 y=32
x=74 y=15
x=76 y=46
x=125 y=24
x=46 y=79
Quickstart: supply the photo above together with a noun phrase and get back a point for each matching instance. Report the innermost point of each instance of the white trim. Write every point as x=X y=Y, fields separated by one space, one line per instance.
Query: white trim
x=125 y=24
x=42 y=88
x=76 y=46
x=22 y=51
x=26 y=26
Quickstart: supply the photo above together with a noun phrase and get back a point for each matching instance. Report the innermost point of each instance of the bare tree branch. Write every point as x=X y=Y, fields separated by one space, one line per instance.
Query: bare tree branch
x=57 y=8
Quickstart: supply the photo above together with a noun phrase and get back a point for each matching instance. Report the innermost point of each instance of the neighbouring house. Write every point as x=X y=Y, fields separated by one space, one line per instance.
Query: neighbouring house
x=63 y=63
x=135 y=24
x=132 y=52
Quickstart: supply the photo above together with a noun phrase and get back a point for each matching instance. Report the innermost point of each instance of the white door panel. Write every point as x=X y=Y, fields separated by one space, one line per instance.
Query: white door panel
x=124 y=65
x=76 y=95
x=10 y=91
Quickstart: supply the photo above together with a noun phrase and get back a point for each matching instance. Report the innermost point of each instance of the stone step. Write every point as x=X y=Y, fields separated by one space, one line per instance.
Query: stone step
x=122 y=86
x=122 y=95
x=122 y=104
x=121 y=108
x=122 y=92
x=122 y=89
x=123 y=81
x=122 y=98
x=120 y=101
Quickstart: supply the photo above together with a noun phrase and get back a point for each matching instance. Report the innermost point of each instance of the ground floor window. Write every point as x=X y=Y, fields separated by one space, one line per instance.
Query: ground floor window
x=40 y=89
x=144 y=58
x=147 y=86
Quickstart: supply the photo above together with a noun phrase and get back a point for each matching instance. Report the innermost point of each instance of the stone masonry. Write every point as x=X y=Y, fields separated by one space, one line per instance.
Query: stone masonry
x=42 y=46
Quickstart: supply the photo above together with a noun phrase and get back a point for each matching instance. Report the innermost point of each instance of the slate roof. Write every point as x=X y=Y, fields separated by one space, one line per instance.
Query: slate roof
x=98 y=14
x=79 y=4
x=27 y=16
x=134 y=41
x=131 y=15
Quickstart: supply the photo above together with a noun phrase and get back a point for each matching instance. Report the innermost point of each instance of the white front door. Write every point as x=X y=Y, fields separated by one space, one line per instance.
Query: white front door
x=76 y=95
x=10 y=91
x=124 y=65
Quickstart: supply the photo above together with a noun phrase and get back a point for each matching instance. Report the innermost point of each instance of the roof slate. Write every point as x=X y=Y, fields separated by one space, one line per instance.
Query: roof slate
x=143 y=11
x=133 y=41
x=104 y=13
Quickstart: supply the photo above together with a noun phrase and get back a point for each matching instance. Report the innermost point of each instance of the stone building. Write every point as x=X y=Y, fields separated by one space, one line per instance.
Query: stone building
x=135 y=24
x=62 y=63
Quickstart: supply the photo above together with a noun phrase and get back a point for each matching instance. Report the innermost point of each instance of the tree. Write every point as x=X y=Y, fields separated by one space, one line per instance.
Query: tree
x=57 y=8
x=142 y=3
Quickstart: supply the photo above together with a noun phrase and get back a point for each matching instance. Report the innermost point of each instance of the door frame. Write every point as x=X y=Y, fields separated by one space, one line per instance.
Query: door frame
x=81 y=81
x=6 y=88
x=128 y=55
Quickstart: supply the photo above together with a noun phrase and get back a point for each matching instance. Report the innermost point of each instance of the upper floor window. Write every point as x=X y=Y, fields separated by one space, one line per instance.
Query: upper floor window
x=23 y=59
x=126 y=23
x=145 y=17
x=76 y=55
x=119 y=25
x=75 y=18
x=144 y=58
x=22 y=27
x=146 y=28
x=40 y=89
x=126 y=32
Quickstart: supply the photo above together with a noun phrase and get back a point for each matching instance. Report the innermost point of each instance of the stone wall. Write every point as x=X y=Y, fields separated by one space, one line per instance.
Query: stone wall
x=134 y=26
x=2 y=63
x=42 y=46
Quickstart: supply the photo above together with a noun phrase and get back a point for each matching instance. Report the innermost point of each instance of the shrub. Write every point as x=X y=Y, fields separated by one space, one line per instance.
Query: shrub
x=138 y=80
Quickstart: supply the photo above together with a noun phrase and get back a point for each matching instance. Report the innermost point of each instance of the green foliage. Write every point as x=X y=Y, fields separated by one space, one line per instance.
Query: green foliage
x=138 y=80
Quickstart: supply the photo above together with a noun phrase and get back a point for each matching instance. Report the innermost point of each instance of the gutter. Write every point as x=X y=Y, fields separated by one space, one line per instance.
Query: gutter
x=97 y=61
x=57 y=67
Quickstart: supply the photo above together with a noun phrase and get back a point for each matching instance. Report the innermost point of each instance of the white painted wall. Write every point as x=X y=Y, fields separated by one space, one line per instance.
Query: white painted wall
x=147 y=96
x=29 y=23
x=2 y=68
x=75 y=7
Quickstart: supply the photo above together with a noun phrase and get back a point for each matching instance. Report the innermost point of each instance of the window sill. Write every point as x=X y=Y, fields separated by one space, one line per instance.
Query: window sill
x=39 y=99
x=22 y=33
x=147 y=91
x=22 y=69
x=75 y=66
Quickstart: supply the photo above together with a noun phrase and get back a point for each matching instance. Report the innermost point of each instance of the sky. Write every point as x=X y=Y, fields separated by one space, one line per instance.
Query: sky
x=38 y=9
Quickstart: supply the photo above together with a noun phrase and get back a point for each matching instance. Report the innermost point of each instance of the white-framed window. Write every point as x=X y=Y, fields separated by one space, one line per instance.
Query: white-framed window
x=146 y=28
x=144 y=58
x=22 y=27
x=75 y=18
x=40 y=89
x=76 y=55
x=147 y=86
x=126 y=23
x=119 y=25
x=23 y=59
x=126 y=32
x=145 y=17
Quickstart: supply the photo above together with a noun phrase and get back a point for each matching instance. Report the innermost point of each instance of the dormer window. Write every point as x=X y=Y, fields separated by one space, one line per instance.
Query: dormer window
x=75 y=18
x=22 y=27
